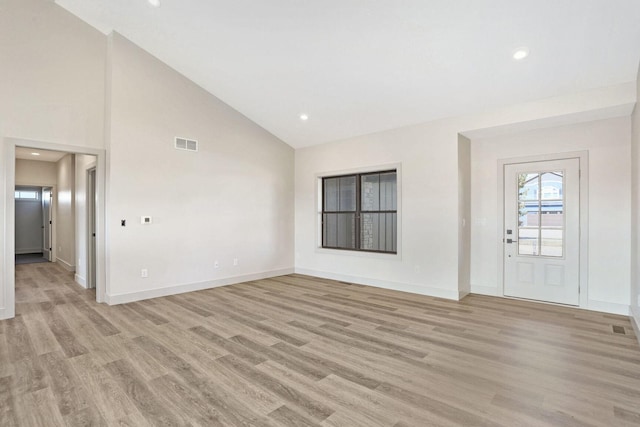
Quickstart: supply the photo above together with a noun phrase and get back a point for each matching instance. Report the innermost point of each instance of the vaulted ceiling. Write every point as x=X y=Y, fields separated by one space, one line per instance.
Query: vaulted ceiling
x=357 y=67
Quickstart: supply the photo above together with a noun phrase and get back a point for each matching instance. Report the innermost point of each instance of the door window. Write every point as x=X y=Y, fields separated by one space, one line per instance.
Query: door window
x=541 y=213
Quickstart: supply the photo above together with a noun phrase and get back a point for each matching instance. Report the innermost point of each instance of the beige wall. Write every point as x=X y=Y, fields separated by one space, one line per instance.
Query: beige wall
x=65 y=236
x=33 y=172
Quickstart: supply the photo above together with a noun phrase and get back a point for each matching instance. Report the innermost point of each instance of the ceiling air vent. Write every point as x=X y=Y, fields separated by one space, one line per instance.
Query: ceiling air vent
x=186 y=144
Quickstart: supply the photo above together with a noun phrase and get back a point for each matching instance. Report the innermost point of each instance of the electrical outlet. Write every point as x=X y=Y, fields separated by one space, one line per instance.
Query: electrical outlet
x=144 y=273
x=216 y=264
x=235 y=261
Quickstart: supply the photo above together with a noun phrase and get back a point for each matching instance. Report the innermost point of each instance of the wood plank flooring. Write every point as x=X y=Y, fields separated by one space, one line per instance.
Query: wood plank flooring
x=300 y=351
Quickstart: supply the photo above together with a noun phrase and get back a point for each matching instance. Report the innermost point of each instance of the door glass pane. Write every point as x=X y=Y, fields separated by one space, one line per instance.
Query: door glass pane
x=528 y=186
x=529 y=213
x=528 y=241
x=541 y=213
x=551 y=185
x=552 y=214
x=551 y=242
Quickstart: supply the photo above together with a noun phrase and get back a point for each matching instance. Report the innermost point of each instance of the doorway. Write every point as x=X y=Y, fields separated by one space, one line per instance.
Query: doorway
x=31 y=245
x=541 y=230
x=7 y=206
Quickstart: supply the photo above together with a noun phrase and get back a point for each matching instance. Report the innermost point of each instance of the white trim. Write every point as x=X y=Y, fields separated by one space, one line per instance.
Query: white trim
x=485 y=290
x=451 y=294
x=7 y=233
x=634 y=313
x=607 y=307
x=80 y=280
x=190 y=287
x=318 y=211
x=66 y=265
x=583 y=157
x=28 y=251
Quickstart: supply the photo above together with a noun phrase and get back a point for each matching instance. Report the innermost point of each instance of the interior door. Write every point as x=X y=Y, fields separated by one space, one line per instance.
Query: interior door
x=47 y=195
x=542 y=231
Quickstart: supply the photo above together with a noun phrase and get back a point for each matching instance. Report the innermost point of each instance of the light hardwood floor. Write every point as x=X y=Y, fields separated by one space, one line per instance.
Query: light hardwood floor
x=301 y=351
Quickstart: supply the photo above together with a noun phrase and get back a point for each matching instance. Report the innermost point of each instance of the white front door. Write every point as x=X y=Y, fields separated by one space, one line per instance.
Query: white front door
x=542 y=231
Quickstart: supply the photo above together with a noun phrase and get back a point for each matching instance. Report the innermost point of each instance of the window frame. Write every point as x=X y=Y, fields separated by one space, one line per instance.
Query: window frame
x=358 y=212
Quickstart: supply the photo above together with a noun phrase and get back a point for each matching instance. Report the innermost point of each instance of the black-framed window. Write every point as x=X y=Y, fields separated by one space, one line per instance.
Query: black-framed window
x=360 y=212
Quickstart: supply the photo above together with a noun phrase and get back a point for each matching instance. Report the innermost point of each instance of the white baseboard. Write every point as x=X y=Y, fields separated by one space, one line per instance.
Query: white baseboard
x=28 y=251
x=67 y=266
x=485 y=290
x=190 y=287
x=635 y=320
x=608 y=307
x=81 y=281
x=7 y=313
x=396 y=286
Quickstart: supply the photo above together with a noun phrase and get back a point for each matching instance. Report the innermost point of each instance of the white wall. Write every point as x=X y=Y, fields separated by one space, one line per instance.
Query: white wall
x=609 y=147
x=65 y=239
x=231 y=199
x=82 y=162
x=34 y=172
x=635 y=212
x=51 y=88
x=431 y=210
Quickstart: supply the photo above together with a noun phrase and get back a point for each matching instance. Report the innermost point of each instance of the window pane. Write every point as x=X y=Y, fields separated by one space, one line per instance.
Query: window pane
x=347 y=193
x=551 y=242
x=370 y=189
x=551 y=187
x=528 y=241
x=528 y=186
x=340 y=194
x=378 y=232
x=331 y=192
x=552 y=214
x=388 y=192
x=339 y=230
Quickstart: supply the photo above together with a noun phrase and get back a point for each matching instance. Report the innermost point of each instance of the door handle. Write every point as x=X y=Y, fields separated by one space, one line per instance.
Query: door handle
x=511 y=241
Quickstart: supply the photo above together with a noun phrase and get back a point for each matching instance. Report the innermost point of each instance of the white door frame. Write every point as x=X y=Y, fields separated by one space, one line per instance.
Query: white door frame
x=583 y=157
x=91 y=221
x=50 y=219
x=8 y=231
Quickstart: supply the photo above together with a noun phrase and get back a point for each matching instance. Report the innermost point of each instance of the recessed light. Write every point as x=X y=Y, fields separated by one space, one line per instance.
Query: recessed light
x=520 y=53
x=304 y=117
x=35 y=154
x=154 y=3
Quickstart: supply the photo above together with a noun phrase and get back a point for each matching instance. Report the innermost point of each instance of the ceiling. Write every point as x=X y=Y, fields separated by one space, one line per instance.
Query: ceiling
x=358 y=67
x=43 y=155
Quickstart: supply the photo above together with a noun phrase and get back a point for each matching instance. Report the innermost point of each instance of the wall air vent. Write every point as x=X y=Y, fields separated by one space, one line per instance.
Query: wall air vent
x=186 y=144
